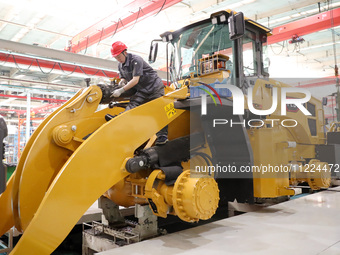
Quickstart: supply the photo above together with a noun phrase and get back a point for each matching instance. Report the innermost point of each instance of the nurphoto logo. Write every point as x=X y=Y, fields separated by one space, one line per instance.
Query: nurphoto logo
x=238 y=104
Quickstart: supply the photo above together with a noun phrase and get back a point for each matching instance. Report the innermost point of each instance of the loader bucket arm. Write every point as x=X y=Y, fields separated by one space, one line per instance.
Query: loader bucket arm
x=6 y=213
x=46 y=156
x=91 y=169
x=9 y=199
x=36 y=168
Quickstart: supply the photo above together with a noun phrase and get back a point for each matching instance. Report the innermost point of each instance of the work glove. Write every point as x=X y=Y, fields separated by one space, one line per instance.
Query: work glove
x=117 y=92
x=122 y=83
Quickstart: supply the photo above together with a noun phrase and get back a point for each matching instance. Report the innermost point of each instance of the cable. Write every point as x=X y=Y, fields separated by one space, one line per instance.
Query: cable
x=283 y=46
x=81 y=69
x=101 y=34
x=88 y=74
x=105 y=74
x=268 y=22
x=65 y=72
x=42 y=70
x=55 y=63
x=334 y=45
x=87 y=43
x=18 y=67
x=5 y=61
x=336 y=69
x=160 y=8
x=117 y=26
x=206 y=158
x=219 y=42
x=139 y=10
x=287 y=47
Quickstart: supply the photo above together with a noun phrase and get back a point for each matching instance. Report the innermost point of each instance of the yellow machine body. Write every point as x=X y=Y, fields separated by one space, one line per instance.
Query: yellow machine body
x=272 y=144
x=75 y=156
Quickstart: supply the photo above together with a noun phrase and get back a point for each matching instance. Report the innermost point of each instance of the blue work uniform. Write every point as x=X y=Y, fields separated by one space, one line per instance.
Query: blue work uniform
x=149 y=82
x=149 y=87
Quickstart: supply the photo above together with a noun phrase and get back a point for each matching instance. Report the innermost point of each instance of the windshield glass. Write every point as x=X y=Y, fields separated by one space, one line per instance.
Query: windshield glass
x=197 y=43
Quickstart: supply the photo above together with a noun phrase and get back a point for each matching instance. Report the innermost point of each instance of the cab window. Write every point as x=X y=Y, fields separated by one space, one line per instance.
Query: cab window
x=249 y=54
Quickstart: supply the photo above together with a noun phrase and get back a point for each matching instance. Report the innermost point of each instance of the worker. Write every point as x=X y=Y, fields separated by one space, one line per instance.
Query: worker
x=135 y=73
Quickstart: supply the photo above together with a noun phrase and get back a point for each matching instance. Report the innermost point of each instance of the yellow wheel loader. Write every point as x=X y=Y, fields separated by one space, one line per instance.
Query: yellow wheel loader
x=221 y=146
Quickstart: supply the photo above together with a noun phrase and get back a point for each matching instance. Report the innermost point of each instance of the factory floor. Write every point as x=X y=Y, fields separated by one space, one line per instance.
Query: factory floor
x=305 y=226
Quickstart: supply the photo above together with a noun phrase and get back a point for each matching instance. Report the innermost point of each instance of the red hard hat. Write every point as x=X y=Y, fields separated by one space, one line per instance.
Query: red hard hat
x=117 y=48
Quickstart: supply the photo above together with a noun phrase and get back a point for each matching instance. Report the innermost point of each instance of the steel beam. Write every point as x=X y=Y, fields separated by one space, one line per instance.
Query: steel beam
x=306 y=26
x=39 y=109
x=35 y=98
x=47 y=59
x=25 y=53
x=48 y=66
x=40 y=91
x=119 y=20
x=318 y=82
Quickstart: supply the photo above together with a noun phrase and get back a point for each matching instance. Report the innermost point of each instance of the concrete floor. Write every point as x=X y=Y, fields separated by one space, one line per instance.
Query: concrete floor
x=307 y=225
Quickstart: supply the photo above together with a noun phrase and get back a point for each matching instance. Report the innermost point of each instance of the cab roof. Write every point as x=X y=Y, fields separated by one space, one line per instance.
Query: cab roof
x=227 y=12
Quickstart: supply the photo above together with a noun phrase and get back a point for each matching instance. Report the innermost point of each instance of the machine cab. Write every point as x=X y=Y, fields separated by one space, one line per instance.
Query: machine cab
x=225 y=46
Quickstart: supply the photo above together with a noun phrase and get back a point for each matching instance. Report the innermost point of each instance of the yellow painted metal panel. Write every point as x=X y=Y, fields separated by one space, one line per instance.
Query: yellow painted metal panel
x=19 y=168
x=45 y=158
x=6 y=213
x=91 y=170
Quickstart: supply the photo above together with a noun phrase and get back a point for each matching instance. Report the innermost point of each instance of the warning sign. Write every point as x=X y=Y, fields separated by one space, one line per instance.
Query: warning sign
x=170 y=110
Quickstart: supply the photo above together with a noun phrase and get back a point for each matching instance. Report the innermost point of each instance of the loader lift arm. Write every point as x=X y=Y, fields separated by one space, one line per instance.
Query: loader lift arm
x=60 y=175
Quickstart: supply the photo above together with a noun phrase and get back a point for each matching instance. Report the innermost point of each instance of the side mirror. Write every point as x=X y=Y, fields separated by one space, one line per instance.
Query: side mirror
x=236 y=25
x=153 y=52
x=324 y=101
